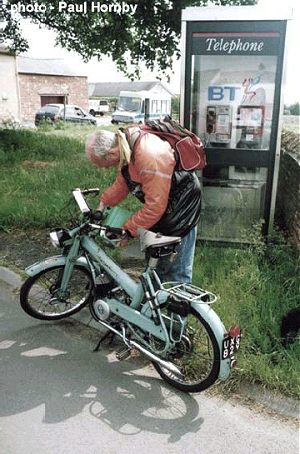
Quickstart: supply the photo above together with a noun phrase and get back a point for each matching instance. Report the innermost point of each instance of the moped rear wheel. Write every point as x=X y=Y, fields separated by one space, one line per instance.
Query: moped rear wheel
x=197 y=355
x=39 y=296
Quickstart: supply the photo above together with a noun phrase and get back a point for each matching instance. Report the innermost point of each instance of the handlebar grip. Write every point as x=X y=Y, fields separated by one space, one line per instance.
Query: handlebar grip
x=116 y=230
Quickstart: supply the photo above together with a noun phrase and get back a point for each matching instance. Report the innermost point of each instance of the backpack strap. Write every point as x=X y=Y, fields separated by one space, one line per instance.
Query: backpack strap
x=133 y=138
x=134 y=187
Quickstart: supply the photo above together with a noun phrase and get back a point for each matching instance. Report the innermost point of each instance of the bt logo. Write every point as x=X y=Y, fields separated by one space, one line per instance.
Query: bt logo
x=218 y=92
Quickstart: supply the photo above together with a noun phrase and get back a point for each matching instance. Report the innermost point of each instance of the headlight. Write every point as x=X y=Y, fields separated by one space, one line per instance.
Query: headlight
x=58 y=237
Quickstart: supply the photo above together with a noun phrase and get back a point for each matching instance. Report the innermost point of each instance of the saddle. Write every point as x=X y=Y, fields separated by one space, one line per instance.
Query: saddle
x=153 y=240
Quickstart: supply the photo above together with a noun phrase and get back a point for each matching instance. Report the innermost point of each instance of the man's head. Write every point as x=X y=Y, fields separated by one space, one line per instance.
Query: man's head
x=102 y=148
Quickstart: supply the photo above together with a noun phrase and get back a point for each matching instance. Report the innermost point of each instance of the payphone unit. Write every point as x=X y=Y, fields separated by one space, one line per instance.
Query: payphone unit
x=218 y=123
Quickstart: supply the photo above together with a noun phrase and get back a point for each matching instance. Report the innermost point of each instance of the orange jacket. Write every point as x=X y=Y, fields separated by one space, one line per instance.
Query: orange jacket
x=152 y=167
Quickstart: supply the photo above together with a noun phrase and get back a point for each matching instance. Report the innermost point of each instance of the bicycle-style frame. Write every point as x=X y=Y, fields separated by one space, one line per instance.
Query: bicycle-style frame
x=98 y=261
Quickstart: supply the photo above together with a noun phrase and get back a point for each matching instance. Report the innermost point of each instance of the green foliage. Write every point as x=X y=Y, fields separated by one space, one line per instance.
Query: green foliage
x=150 y=35
x=113 y=102
x=294 y=109
x=257 y=286
x=290 y=141
x=175 y=107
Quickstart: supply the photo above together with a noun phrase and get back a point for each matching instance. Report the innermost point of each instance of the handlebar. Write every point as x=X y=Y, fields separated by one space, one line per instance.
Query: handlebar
x=77 y=194
x=89 y=191
x=116 y=230
x=94 y=215
x=84 y=208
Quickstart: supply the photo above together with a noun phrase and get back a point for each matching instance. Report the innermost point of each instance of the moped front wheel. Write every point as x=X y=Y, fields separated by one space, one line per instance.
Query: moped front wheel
x=197 y=356
x=40 y=295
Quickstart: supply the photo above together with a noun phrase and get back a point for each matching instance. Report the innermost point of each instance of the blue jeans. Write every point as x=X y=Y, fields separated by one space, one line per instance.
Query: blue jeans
x=181 y=269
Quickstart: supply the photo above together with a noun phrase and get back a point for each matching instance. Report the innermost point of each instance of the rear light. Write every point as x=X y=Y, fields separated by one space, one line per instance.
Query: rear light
x=234 y=331
x=233 y=363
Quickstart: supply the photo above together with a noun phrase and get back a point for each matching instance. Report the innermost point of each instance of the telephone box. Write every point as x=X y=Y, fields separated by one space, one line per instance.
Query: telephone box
x=231 y=96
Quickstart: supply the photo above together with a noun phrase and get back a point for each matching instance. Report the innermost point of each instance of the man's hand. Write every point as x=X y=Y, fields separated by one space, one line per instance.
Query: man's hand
x=124 y=240
x=101 y=206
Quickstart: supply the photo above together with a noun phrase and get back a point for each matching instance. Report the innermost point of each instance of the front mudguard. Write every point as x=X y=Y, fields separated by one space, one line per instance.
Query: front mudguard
x=215 y=323
x=56 y=260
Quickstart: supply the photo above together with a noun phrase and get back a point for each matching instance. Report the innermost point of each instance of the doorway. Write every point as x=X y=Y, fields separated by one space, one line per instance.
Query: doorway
x=54 y=99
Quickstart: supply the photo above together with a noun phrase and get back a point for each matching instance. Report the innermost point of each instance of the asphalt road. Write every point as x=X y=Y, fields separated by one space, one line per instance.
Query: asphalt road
x=57 y=396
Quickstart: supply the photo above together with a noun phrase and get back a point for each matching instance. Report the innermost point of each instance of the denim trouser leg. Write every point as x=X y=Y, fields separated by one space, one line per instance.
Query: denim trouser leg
x=181 y=269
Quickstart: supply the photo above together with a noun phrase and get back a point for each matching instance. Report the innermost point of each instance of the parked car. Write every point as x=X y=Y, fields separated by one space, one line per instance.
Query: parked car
x=55 y=112
x=98 y=107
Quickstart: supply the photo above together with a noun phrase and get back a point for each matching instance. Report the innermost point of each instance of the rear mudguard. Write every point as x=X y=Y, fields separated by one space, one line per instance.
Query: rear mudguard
x=209 y=315
x=56 y=260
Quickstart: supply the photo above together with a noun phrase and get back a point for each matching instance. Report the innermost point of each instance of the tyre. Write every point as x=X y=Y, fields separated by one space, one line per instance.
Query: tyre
x=92 y=112
x=197 y=356
x=39 y=299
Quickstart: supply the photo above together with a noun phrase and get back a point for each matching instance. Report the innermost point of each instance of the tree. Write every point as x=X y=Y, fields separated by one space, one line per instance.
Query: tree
x=175 y=107
x=148 y=33
x=294 y=109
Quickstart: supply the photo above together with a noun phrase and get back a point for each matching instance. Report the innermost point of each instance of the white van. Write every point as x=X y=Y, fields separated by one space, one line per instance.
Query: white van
x=139 y=106
x=98 y=107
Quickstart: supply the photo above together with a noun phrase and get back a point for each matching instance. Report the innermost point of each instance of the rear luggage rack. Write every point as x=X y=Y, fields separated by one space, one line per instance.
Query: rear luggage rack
x=189 y=292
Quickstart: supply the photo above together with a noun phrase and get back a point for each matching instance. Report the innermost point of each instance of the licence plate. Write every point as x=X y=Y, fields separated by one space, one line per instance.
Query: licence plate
x=230 y=346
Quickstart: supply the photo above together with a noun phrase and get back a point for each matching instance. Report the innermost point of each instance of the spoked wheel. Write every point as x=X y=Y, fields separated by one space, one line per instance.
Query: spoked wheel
x=40 y=296
x=197 y=356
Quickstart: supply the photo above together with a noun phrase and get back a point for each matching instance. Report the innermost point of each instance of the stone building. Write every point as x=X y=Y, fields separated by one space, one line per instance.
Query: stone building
x=48 y=81
x=9 y=90
x=27 y=83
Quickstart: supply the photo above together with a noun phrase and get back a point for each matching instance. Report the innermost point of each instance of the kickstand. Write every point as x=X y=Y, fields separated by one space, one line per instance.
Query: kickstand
x=106 y=335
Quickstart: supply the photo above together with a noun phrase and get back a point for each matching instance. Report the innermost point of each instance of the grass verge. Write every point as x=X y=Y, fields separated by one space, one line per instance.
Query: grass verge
x=39 y=170
x=257 y=286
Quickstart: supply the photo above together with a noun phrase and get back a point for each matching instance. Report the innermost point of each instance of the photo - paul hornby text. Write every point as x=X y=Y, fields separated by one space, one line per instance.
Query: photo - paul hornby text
x=80 y=7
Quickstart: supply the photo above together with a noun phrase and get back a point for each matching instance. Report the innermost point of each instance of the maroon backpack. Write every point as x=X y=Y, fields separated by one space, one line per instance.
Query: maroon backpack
x=189 y=148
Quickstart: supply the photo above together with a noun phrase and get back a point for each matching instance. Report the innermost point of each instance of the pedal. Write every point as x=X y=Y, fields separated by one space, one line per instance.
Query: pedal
x=123 y=353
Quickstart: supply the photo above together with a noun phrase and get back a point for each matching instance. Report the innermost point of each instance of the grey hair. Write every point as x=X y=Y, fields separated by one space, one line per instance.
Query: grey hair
x=104 y=141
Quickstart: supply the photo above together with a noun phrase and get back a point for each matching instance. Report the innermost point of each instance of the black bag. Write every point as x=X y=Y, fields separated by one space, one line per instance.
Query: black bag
x=184 y=205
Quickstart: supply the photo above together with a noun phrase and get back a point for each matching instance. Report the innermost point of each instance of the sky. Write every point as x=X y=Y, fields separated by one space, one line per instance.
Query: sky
x=42 y=45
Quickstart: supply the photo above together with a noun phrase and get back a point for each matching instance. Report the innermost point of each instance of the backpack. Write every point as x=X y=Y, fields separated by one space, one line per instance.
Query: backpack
x=187 y=146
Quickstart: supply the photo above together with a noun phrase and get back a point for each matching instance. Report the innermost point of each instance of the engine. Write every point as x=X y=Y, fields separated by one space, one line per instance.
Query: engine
x=101 y=310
